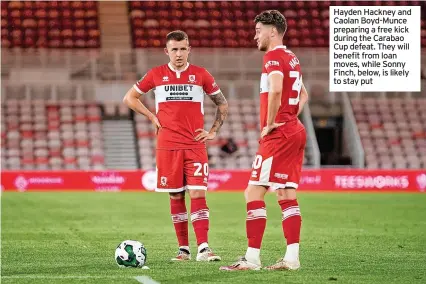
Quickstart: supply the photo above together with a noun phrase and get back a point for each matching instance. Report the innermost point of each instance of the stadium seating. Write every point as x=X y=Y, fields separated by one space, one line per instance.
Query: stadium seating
x=230 y=23
x=50 y=24
x=75 y=24
x=38 y=135
x=392 y=131
x=68 y=135
x=146 y=142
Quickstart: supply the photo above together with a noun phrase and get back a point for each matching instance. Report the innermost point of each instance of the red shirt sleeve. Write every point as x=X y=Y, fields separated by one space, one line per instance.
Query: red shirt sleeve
x=145 y=84
x=273 y=64
x=209 y=84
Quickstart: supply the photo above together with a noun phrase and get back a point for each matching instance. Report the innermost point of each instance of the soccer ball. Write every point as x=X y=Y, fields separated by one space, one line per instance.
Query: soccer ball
x=130 y=254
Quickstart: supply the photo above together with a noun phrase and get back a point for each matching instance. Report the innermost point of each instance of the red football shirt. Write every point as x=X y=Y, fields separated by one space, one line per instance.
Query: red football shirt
x=179 y=97
x=282 y=61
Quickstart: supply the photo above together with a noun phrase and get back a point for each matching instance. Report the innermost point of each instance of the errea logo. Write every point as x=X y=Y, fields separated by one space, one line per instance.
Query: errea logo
x=271 y=63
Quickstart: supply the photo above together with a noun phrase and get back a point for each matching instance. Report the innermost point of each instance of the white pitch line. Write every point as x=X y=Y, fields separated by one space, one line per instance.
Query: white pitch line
x=146 y=280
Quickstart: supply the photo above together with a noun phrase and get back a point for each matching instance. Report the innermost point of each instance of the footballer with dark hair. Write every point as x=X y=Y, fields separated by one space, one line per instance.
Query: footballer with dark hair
x=279 y=159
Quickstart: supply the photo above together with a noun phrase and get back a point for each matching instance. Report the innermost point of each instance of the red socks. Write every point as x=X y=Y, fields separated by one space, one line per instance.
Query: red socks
x=292 y=220
x=180 y=220
x=255 y=223
x=200 y=219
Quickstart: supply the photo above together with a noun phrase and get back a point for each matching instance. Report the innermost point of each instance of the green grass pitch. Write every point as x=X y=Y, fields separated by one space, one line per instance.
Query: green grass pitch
x=346 y=238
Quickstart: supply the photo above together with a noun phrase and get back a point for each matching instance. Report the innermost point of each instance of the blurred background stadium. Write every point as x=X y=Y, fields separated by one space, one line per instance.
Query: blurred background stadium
x=67 y=64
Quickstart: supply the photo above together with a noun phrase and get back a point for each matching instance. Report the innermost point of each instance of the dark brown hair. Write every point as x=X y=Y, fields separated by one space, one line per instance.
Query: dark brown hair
x=177 y=36
x=273 y=18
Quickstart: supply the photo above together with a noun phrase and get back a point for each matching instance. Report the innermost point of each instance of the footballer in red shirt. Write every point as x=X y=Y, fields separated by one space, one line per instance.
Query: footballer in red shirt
x=279 y=159
x=181 y=154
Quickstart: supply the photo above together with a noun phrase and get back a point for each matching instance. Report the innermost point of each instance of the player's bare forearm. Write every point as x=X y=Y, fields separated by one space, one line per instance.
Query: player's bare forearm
x=221 y=111
x=221 y=114
x=274 y=102
x=303 y=99
x=131 y=99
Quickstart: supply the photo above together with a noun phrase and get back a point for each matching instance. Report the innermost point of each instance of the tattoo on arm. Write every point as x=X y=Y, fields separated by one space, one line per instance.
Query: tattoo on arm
x=220 y=118
x=221 y=111
x=218 y=99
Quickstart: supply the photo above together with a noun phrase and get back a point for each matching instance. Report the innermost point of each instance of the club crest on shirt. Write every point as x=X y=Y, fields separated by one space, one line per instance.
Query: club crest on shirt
x=191 y=78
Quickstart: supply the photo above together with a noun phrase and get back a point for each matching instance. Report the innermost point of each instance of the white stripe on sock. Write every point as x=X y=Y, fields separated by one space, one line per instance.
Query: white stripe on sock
x=179 y=218
x=200 y=215
x=291 y=211
x=255 y=218
x=290 y=216
x=256 y=213
x=199 y=219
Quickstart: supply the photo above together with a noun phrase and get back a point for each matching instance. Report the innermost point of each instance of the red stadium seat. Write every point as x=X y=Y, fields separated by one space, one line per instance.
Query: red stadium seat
x=61 y=18
x=387 y=124
x=303 y=16
x=66 y=127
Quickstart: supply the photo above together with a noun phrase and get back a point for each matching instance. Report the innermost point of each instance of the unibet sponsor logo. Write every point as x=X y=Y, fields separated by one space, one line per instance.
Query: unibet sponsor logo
x=178 y=92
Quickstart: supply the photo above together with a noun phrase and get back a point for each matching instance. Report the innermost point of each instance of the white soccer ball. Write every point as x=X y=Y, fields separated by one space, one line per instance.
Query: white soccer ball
x=130 y=254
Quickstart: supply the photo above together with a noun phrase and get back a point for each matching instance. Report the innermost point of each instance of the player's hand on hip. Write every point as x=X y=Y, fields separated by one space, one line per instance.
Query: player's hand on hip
x=156 y=124
x=268 y=129
x=204 y=135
